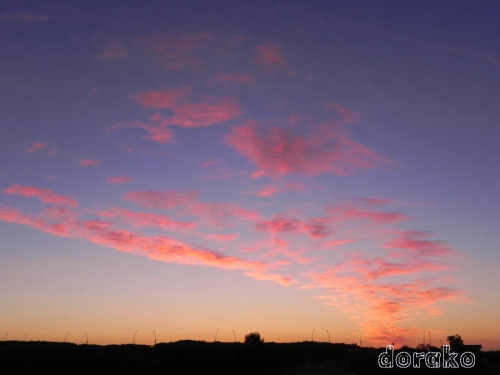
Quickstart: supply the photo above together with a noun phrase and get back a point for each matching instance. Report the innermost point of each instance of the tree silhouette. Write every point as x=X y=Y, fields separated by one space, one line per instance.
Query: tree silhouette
x=456 y=342
x=253 y=339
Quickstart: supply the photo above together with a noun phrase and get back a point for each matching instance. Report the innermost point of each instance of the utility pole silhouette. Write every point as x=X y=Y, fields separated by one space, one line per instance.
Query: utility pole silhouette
x=430 y=341
x=134 y=335
x=26 y=337
x=216 y=332
x=234 y=336
x=312 y=336
x=87 y=342
x=5 y=336
x=328 y=336
x=155 y=336
x=66 y=336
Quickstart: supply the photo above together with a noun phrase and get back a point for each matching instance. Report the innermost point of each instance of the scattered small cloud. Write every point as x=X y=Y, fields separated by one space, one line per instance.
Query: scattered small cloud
x=36 y=147
x=237 y=79
x=89 y=162
x=23 y=17
x=113 y=51
x=118 y=180
x=46 y=196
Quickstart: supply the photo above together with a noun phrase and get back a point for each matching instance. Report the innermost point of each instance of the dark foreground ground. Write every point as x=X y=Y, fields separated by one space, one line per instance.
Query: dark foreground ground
x=199 y=357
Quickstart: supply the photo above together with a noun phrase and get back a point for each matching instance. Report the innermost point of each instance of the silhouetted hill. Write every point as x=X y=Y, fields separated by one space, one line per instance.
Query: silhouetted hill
x=200 y=357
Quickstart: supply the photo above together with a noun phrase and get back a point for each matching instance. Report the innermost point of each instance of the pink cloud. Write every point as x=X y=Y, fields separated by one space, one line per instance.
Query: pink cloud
x=214 y=212
x=44 y=195
x=380 y=308
x=89 y=162
x=183 y=112
x=335 y=243
x=222 y=237
x=280 y=225
x=239 y=79
x=162 y=199
x=155 y=247
x=280 y=279
x=36 y=146
x=209 y=163
x=164 y=99
x=117 y=180
x=315 y=227
x=180 y=51
x=346 y=213
x=413 y=242
x=143 y=219
x=373 y=201
x=267 y=191
x=188 y=114
x=23 y=17
x=278 y=151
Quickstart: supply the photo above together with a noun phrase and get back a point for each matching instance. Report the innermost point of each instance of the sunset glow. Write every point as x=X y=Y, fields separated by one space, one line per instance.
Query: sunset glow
x=277 y=167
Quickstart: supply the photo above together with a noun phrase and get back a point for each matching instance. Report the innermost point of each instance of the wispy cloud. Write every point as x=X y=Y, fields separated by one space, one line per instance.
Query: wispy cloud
x=155 y=247
x=278 y=151
x=113 y=51
x=189 y=203
x=180 y=51
x=118 y=180
x=313 y=227
x=44 y=195
x=36 y=147
x=23 y=17
x=182 y=111
x=267 y=191
x=348 y=116
x=237 y=79
x=89 y=162
x=145 y=219
x=270 y=57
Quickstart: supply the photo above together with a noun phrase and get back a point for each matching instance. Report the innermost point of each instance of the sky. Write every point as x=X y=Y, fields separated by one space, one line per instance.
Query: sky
x=200 y=170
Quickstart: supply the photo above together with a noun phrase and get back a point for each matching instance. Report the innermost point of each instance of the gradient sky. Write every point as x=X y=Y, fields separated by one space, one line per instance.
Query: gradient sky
x=280 y=166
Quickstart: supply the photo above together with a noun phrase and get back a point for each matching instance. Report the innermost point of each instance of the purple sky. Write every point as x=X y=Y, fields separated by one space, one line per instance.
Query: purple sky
x=276 y=167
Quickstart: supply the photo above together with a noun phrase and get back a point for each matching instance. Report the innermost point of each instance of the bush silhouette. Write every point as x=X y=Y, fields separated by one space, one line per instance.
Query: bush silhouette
x=253 y=339
x=456 y=342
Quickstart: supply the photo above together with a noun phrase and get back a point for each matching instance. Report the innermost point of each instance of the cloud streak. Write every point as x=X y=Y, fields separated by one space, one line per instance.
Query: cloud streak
x=43 y=195
x=89 y=162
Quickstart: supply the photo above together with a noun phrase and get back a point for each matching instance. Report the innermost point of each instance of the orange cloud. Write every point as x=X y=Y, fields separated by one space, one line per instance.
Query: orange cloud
x=89 y=162
x=44 y=195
